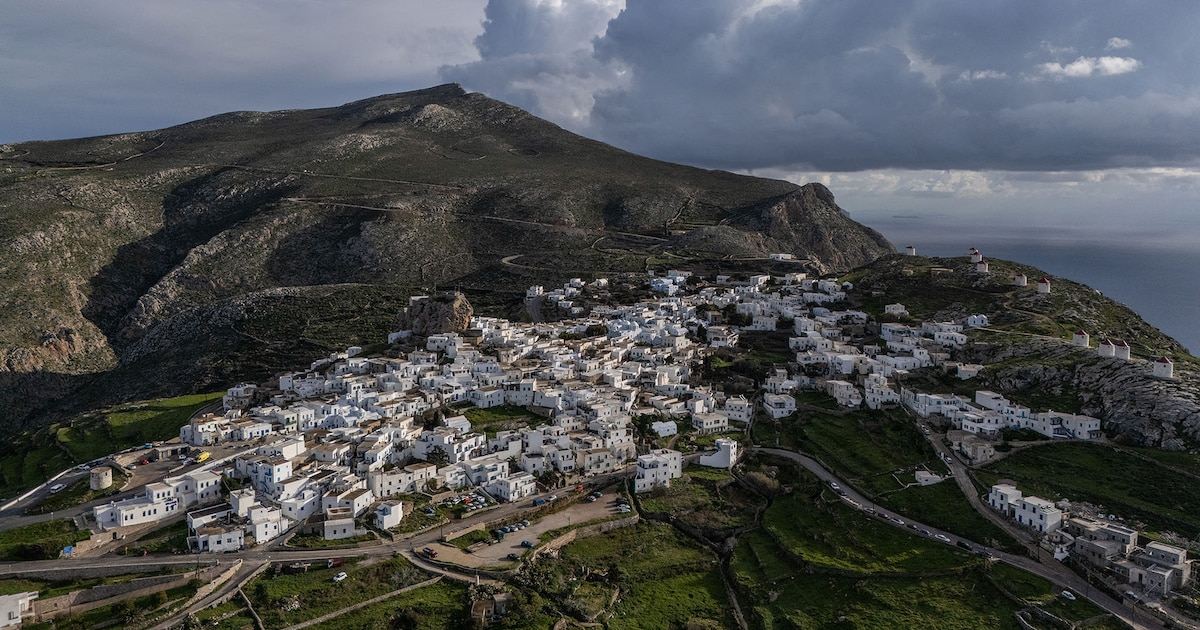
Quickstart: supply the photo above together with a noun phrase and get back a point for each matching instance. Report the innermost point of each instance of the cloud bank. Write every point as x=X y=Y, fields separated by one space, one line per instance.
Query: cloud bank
x=848 y=85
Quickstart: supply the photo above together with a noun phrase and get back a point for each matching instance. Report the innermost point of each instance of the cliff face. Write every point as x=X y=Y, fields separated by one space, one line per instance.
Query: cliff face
x=110 y=242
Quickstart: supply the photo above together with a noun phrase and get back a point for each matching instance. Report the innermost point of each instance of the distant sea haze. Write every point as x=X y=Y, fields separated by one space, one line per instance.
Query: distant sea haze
x=1158 y=278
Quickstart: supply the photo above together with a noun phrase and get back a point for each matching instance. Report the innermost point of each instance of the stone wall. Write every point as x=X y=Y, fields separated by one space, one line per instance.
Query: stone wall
x=106 y=594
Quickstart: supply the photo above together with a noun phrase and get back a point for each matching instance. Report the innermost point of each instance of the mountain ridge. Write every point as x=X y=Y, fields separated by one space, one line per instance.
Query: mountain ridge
x=111 y=237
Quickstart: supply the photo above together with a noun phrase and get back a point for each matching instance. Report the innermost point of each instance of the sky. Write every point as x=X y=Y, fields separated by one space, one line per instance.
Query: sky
x=1079 y=115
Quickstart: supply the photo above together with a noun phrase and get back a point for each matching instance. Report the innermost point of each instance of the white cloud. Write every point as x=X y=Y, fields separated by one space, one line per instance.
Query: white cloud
x=1090 y=66
x=1117 y=43
x=977 y=75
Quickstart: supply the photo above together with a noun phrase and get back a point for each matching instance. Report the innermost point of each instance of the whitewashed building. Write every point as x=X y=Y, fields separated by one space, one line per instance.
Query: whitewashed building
x=657 y=469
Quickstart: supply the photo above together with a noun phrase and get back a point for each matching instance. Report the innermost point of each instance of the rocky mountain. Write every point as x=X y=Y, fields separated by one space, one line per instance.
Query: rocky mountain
x=184 y=258
x=1027 y=349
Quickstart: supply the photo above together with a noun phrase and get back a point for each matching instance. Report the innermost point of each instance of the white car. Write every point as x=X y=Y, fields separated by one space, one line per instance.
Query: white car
x=56 y=488
x=1068 y=595
x=340 y=576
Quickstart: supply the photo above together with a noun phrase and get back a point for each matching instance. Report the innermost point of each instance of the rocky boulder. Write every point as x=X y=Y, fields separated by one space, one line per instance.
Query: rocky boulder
x=441 y=313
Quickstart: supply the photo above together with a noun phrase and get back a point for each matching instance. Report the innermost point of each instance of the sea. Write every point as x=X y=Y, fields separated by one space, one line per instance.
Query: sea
x=1156 y=276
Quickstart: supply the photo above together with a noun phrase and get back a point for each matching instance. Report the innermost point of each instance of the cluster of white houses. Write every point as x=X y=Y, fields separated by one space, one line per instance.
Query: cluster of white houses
x=342 y=439
x=1100 y=544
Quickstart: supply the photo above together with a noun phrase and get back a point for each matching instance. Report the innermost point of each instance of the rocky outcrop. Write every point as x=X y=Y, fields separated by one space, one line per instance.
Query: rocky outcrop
x=809 y=223
x=442 y=313
x=1135 y=407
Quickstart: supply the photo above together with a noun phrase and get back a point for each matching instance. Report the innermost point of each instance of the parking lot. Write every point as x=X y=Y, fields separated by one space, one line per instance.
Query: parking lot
x=496 y=555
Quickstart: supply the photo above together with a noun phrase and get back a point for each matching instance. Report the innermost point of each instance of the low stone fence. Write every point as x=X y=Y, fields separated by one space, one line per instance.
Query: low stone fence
x=56 y=572
x=106 y=594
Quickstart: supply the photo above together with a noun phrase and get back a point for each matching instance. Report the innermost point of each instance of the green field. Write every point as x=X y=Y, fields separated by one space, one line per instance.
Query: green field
x=811 y=526
x=817 y=563
x=664 y=580
x=705 y=498
x=39 y=541
x=232 y=615
x=33 y=456
x=433 y=607
x=97 y=435
x=1153 y=487
x=503 y=418
x=866 y=447
x=290 y=598
x=943 y=506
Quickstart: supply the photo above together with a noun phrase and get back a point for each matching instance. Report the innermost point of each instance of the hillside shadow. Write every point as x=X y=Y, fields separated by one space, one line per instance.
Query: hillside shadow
x=193 y=213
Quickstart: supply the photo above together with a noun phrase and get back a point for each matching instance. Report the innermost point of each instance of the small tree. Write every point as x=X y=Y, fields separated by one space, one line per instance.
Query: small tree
x=437 y=456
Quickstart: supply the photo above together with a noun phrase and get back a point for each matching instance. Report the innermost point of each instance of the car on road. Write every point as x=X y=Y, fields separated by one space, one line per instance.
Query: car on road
x=964 y=544
x=942 y=537
x=896 y=520
x=834 y=485
x=340 y=576
x=56 y=488
x=1068 y=595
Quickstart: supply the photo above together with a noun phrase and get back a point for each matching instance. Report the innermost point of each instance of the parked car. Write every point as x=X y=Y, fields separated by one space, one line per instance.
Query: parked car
x=429 y=551
x=942 y=537
x=526 y=543
x=340 y=576
x=56 y=488
x=1068 y=595
x=513 y=556
x=964 y=544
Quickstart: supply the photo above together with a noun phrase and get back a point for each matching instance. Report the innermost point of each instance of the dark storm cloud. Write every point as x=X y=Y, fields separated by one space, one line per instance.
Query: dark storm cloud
x=854 y=84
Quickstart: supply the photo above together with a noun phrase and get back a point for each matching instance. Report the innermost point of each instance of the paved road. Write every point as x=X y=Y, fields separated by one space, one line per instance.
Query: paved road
x=1056 y=573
